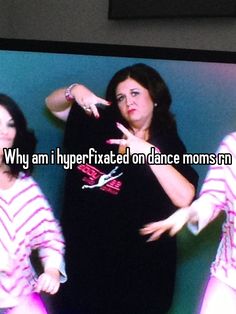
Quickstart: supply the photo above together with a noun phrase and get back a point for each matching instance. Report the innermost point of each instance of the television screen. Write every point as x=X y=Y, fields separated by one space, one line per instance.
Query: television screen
x=202 y=86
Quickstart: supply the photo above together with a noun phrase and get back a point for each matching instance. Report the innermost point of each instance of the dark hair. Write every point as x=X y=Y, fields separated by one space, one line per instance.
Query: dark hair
x=150 y=79
x=25 y=139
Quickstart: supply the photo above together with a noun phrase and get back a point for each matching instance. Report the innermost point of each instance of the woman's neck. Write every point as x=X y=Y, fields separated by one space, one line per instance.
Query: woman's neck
x=3 y=167
x=141 y=131
x=6 y=178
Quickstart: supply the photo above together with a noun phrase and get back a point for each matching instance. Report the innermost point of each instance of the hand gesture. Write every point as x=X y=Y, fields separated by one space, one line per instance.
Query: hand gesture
x=87 y=99
x=172 y=224
x=136 y=144
x=49 y=281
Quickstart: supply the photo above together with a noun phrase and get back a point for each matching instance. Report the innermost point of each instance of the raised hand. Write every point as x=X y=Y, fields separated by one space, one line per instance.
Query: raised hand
x=87 y=99
x=136 y=144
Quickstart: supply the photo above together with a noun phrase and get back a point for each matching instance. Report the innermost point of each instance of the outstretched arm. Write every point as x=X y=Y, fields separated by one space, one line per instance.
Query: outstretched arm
x=218 y=183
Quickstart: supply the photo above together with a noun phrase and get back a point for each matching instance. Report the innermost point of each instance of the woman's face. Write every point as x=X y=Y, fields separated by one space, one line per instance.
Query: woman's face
x=7 y=130
x=135 y=103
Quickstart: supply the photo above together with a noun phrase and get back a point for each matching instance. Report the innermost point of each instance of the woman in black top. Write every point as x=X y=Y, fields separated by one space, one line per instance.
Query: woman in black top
x=111 y=267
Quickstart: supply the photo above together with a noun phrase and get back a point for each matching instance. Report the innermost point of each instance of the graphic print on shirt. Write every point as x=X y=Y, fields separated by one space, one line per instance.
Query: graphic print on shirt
x=98 y=179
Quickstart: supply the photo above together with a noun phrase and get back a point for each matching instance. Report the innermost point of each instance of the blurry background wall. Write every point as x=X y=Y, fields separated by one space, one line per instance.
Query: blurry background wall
x=87 y=21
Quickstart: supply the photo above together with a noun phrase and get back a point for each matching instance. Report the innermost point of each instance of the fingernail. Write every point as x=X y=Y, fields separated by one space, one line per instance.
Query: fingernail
x=117 y=124
x=108 y=141
x=109 y=102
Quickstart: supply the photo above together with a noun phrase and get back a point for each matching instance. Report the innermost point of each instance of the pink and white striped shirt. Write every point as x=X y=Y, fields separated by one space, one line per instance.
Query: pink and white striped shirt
x=26 y=223
x=218 y=194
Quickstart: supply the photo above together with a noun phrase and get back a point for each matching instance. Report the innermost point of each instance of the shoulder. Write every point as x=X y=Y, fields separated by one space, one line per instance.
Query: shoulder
x=27 y=183
x=228 y=143
x=28 y=190
x=25 y=178
x=230 y=138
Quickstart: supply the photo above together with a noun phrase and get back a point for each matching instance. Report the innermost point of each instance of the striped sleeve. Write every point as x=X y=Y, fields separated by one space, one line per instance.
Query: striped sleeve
x=217 y=186
x=45 y=232
x=50 y=242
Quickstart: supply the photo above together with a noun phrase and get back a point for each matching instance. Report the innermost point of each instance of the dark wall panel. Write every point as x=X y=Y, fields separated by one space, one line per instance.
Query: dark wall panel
x=170 y=8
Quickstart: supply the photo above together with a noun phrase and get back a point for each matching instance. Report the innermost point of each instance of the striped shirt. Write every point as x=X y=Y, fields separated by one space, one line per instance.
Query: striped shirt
x=26 y=223
x=218 y=194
